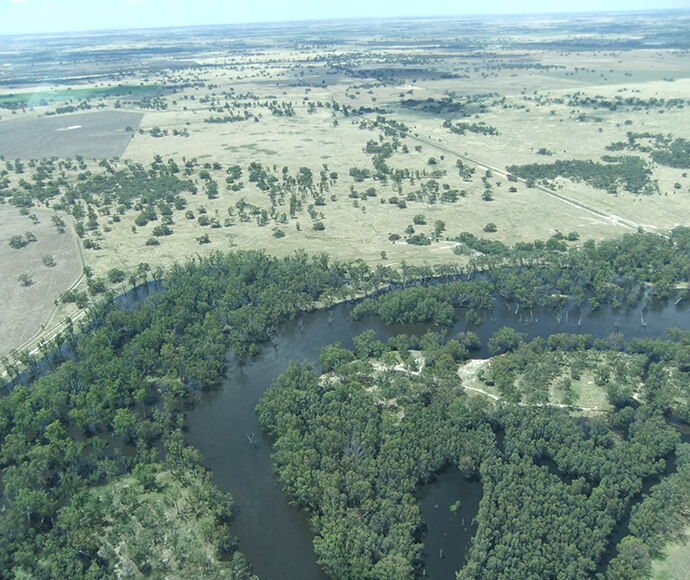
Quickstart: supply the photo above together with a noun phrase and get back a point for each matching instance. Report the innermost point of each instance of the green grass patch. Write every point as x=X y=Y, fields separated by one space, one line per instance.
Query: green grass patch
x=675 y=561
x=46 y=97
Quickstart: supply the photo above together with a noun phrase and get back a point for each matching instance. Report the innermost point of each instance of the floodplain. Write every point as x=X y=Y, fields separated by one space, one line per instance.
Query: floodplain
x=397 y=148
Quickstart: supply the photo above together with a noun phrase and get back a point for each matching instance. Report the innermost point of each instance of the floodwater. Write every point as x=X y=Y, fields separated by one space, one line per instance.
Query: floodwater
x=449 y=506
x=275 y=536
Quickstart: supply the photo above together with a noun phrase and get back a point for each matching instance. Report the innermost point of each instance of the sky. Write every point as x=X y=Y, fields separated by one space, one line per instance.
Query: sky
x=29 y=16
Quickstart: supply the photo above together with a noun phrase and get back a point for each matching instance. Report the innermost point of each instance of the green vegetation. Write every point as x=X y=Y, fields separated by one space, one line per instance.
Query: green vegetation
x=460 y=106
x=435 y=304
x=25 y=279
x=127 y=383
x=123 y=522
x=17 y=242
x=361 y=463
x=546 y=274
x=580 y=99
x=374 y=431
x=675 y=154
x=628 y=172
x=480 y=128
x=20 y=100
x=664 y=149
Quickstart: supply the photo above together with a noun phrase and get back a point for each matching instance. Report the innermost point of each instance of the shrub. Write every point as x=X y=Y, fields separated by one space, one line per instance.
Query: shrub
x=162 y=230
x=419 y=240
x=25 y=279
x=115 y=276
x=17 y=242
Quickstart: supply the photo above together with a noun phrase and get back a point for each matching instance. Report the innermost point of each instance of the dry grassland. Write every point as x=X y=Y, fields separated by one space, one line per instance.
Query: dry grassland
x=30 y=308
x=526 y=93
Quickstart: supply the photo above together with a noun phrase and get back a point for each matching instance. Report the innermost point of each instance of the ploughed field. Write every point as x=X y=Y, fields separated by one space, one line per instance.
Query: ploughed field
x=97 y=135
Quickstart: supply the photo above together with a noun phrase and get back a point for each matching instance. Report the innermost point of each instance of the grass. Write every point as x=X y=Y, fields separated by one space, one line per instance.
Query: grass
x=675 y=562
x=587 y=394
x=530 y=111
x=31 y=307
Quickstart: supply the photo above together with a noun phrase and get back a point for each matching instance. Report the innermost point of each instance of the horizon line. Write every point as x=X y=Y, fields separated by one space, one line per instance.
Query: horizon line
x=345 y=19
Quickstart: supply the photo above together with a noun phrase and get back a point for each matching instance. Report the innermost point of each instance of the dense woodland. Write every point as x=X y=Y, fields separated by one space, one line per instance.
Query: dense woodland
x=625 y=172
x=107 y=415
x=625 y=271
x=114 y=402
x=354 y=445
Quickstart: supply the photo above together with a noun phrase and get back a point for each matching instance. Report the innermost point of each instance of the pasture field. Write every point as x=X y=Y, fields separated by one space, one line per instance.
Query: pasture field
x=27 y=309
x=43 y=98
x=358 y=139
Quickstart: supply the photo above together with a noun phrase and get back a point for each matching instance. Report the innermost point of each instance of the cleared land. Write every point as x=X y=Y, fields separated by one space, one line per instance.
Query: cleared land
x=96 y=135
x=27 y=308
x=345 y=138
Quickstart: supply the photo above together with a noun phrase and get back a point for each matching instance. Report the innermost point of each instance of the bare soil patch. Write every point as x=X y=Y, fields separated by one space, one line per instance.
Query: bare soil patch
x=97 y=135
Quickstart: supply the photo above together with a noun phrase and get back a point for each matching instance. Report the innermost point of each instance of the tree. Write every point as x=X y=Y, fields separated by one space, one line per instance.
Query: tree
x=142 y=271
x=505 y=339
x=632 y=562
x=25 y=279
x=116 y=275
x=17 y=242
x=439 y=228
x=367 y=345
x=334 y=356
x=59 y=223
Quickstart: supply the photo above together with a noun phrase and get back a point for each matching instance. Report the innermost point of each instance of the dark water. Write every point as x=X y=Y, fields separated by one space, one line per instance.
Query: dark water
x=449 y=524
x=276 y=537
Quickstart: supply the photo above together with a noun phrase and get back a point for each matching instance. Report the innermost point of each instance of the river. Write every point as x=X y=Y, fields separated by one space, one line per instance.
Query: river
x=274 y=535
